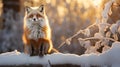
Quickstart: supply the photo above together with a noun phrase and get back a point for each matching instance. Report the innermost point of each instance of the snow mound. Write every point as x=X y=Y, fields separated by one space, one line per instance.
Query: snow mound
x=107 y=58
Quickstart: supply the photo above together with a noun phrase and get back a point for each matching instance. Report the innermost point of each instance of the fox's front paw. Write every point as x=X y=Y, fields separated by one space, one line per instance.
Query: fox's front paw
x=32 y=54
x=41 y=54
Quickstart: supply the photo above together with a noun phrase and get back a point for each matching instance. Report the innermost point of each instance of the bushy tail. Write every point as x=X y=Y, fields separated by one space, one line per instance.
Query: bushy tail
x=54 y=50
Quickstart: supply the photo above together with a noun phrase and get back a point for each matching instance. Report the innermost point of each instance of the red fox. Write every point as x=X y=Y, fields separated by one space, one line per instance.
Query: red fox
x=37 y=32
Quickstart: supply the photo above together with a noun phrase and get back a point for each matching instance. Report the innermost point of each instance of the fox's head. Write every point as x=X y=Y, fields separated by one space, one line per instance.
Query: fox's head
x=35 y=15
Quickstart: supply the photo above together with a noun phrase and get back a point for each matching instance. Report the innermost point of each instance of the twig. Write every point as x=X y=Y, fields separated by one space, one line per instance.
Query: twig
x=80 y=31
x=106 y=38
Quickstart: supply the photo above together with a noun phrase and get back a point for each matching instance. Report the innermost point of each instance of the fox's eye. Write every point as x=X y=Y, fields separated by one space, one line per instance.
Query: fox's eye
x=30 y=16
x=38 y=15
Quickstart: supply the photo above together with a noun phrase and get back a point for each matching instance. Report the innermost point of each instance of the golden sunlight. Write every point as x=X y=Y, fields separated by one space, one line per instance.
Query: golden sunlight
x=61 y=11
x=85 y=3
x=97 y=2
x=85 y=8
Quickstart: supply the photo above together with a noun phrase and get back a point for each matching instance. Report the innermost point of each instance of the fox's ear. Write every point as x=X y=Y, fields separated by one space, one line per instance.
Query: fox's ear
x=41 y=8
x=27 y=9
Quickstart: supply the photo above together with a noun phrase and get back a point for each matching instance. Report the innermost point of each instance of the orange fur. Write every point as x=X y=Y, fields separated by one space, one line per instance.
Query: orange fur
x=36 y=43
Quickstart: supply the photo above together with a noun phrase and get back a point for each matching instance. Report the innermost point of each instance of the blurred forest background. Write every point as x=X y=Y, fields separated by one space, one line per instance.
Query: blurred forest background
x=66 y=17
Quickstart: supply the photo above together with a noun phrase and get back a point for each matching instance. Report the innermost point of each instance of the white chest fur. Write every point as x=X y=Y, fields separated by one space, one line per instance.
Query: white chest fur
x=36 y=32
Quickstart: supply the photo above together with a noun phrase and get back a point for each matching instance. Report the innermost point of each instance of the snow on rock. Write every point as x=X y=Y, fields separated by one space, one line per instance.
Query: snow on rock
x=109 y=58
x=115 y=65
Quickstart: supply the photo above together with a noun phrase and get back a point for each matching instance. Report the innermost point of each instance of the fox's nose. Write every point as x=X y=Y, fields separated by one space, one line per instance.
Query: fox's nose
x=34 y=19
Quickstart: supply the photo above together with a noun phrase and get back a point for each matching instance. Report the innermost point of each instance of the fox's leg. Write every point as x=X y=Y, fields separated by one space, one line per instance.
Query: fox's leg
x=27 y=49
x=32 y=50
x=45 y=48
x=41 y=49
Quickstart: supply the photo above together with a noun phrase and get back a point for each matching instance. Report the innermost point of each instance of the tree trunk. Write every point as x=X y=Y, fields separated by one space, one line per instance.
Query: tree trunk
x=8 y=5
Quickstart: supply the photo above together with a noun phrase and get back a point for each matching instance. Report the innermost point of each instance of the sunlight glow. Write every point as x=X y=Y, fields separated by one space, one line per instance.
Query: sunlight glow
x=68 y=1
x=48 y=1
x=1 y=6
x=85 y=3
x=96 y=2
x=36 y=1
x=61 y=11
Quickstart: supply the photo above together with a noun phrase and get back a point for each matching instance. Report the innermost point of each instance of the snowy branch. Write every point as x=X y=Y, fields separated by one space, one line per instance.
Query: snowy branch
x=100 y=31
x=104 y=38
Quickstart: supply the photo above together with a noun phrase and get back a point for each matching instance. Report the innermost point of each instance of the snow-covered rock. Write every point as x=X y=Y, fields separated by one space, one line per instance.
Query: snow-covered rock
x=107 y=58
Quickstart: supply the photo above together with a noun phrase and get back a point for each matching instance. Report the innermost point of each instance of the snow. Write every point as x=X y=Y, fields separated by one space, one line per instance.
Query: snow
x=68 y=41
x=106 y=10
x=87 y=32
x=109 y=58
x=87 y=44
x=113 y=28
x=102 y=26
x=98 y=35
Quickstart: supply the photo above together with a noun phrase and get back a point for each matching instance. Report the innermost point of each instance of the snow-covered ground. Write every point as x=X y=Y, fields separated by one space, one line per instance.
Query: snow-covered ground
x=107 y=58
